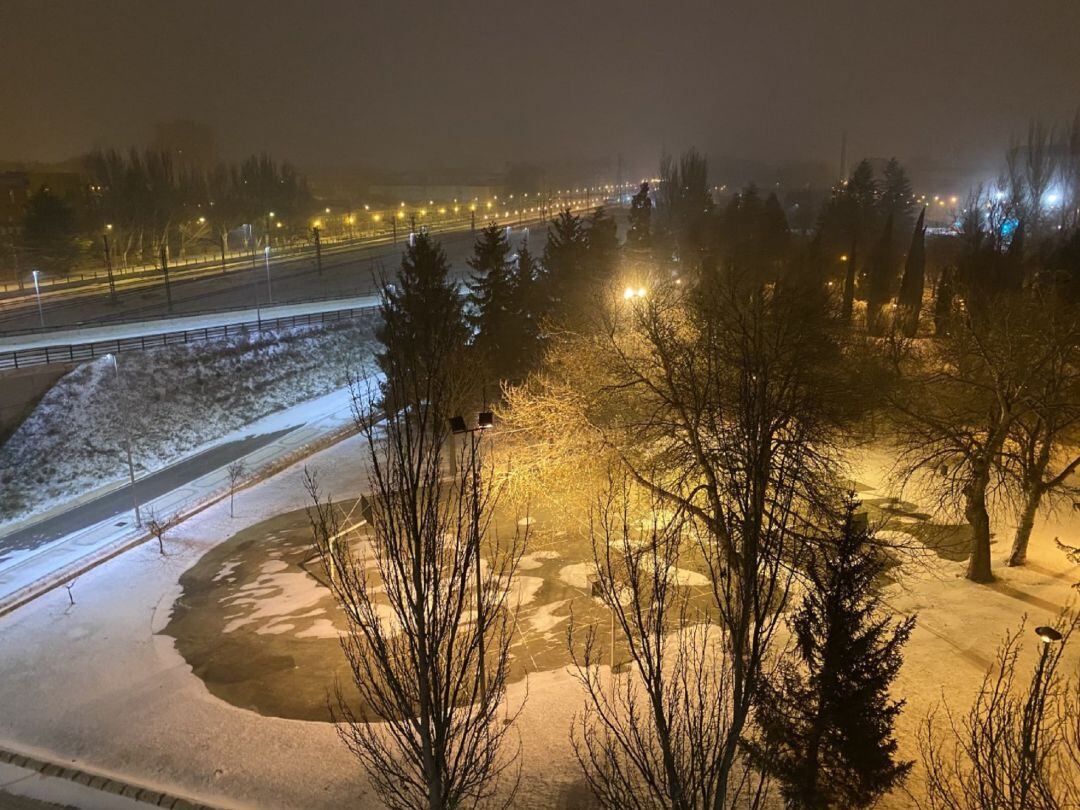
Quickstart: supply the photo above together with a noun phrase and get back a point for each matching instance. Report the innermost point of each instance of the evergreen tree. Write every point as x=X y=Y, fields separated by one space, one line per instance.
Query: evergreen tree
x=826 y=721
x=914 y=280
x=640 y=233
x=422 y=319
x=847 y=218
x=564 y=263
x=896 y=196
x=526 y=305
x=494 y=305
x=879 y=278
x=601 y=246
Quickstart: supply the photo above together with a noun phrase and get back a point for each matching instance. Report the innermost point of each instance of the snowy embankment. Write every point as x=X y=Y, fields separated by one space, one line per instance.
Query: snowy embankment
x=172 y=400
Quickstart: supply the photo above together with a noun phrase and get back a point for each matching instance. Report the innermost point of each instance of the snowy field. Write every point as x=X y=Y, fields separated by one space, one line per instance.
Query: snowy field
x=173 y=400
x=102 y=684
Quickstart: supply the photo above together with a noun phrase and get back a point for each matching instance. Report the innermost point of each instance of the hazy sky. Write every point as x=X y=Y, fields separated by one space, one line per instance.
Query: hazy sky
x=465 y=82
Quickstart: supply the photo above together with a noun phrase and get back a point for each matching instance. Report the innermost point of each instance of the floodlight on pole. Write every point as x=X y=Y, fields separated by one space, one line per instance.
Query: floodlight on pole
x=127 y=440
x=37 y=293
x=269 y=288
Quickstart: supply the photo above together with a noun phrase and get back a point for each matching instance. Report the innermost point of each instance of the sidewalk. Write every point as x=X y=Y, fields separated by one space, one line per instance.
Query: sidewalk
x=302 y=429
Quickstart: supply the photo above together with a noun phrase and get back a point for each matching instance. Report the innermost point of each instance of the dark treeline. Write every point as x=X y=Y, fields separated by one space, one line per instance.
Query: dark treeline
x=145 y=203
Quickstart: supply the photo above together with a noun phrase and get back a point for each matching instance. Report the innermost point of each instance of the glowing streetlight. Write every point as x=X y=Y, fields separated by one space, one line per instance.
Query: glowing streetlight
x=127 y=439
x=37 y=292
x=269 y=288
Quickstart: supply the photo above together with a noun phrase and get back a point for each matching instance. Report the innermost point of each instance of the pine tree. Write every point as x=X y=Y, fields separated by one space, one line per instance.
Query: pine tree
x=493 y=314
x=879 y=278
x=896 y=196
x=826 y=721
x=601 y=246
x=640 y=230
x=422 y=317
x=564 y=263
x=914 y=280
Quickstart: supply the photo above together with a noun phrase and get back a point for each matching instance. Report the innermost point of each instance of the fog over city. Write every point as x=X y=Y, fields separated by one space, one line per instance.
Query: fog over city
x=586 y=405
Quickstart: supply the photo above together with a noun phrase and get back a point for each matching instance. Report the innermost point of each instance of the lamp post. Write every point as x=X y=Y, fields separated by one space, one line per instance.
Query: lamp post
x=484 y=420
x=269 y=288
x=37 y=294
x=127 y=440
x=108 y=264
x=318 y=248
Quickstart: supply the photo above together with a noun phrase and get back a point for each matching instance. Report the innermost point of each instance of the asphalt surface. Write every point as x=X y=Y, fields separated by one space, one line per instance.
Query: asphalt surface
x=119 y=502
x=346 y=271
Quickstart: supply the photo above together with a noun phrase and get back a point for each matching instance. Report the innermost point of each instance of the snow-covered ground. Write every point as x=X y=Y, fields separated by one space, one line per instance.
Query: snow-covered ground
x=172 y=400
x=98 y=683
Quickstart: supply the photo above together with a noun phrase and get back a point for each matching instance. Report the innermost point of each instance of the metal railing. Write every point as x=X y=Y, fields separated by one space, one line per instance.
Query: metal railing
x=81 y=352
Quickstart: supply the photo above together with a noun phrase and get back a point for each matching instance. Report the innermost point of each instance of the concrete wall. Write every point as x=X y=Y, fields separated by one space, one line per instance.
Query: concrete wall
x=21 y=390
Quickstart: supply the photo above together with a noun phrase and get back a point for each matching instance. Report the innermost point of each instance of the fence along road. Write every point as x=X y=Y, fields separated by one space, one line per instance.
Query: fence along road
x=66 y=347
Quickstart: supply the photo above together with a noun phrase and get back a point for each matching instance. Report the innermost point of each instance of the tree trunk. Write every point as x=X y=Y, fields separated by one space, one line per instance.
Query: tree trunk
x=1032 y=498
x=979 y=519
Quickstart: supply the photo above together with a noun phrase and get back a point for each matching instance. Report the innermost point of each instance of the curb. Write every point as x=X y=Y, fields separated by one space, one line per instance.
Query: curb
x=101 y=555
x=101 y=782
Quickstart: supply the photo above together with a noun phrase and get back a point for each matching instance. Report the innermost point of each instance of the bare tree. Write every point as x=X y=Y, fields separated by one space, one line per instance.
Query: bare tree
x=1041 y=454
x=158 y=525
x=959 y=399
x=716 y=400
x=237 y=471
x=427 y=650
x=1014 y=748
x=655 y=736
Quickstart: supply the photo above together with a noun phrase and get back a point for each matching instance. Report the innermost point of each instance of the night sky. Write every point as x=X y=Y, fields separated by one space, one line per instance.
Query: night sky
x=469 y=83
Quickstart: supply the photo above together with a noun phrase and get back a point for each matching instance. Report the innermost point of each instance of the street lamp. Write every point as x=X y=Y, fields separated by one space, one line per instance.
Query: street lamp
x=37 y=293
x=269 y=288
x=1048 y=635
x=484 y=421
x=127 y=439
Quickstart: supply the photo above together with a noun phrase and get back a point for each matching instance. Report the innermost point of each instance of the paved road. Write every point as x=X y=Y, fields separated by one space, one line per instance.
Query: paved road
x=348 y=271
x=119 y=502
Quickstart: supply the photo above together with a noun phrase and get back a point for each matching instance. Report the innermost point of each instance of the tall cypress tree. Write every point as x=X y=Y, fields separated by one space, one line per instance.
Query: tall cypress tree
x=914 y=280
x=826 y=721
x=639 y=233
x=879 y=278
x=422 y=318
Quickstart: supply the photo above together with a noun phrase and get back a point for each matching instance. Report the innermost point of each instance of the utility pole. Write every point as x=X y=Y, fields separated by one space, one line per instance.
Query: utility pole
x=165 y=270
x=318 y=249
x=269 y=288
x=108 y=268
x=127 y=439
x=393 y=221
x=224 y=269
x=472 y=222
x=843 y=156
